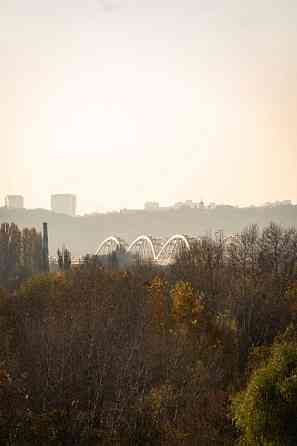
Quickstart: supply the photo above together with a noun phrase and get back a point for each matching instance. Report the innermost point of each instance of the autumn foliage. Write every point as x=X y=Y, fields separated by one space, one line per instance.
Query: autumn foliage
x=177 y=356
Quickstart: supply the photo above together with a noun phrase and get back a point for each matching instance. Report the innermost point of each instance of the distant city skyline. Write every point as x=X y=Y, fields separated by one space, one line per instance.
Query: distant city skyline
x=67 y=204
x=124 y=101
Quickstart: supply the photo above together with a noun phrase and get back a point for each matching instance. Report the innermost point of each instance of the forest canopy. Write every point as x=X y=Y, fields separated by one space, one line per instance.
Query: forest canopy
x=201 y=352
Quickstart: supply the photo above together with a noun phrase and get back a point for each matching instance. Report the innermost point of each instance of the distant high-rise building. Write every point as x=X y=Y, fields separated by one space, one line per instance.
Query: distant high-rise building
x=64 y=204
x=151 y=205
x=185 y=204
x=14 y=201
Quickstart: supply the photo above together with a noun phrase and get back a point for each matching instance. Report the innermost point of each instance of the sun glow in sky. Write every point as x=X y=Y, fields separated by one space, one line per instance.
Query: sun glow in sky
x=123 y=101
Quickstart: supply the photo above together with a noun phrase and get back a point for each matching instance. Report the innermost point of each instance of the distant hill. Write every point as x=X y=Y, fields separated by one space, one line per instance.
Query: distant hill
x=83 y=234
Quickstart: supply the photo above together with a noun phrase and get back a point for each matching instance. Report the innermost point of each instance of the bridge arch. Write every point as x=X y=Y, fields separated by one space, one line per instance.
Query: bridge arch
x=140 y=243
x=148 y=248
x=173 y=246
x=111 y=244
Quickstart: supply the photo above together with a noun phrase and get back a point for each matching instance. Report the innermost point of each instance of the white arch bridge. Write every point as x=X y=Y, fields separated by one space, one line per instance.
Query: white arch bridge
x=146 y=248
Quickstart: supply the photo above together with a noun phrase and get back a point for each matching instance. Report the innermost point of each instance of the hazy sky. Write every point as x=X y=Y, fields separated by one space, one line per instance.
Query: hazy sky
x=123 y=101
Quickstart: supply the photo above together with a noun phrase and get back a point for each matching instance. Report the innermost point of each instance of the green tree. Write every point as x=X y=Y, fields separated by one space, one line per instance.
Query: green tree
x=10 y=254
x=266 y=411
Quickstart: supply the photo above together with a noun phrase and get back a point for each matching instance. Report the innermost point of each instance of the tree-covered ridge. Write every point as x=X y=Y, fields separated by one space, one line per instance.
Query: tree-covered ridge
x=196 y=354
x=83 y=234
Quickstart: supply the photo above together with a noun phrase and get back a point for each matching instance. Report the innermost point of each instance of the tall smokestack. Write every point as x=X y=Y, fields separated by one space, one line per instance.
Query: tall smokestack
x=45 y=248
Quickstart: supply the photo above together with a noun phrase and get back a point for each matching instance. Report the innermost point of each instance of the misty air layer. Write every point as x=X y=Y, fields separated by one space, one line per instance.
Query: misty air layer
x=148 y=235
x=140 y=101
x=83 y=234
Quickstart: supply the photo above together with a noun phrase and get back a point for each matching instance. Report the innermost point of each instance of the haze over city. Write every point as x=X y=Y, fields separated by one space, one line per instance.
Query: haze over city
x=148 y=235
x=121 y=101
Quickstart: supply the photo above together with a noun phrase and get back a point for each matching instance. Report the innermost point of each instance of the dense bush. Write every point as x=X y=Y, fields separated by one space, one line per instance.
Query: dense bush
x=266 y=410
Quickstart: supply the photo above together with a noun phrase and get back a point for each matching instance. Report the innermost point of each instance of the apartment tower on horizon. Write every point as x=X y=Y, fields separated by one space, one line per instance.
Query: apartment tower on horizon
x=14 y=201
x=64 y=204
